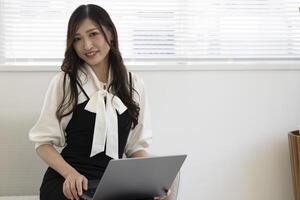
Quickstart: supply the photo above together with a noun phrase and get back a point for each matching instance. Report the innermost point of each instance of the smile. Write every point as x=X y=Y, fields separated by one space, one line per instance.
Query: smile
x=90 y=54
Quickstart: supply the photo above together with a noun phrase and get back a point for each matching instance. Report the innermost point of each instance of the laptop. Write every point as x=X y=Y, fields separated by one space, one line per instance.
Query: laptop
x=135 y=178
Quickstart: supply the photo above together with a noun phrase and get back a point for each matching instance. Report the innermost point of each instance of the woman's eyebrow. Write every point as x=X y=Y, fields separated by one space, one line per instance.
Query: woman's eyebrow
x=92 y=29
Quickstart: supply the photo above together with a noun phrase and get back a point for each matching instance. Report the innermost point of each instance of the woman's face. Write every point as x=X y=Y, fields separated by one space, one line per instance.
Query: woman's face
x=90 y=44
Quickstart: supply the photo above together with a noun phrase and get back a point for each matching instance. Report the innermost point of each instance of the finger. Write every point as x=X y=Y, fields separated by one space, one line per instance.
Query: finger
x=168 y=192
x=165 y=196
x=64 y=190
x=156 y=198
x=73 y=190
x=79 y=186
x=85 y=183
x=68 y=191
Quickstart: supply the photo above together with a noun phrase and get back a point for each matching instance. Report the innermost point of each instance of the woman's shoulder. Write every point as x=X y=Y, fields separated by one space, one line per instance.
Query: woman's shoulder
x=58 y=76
x=56 y=84
x=58 y=79
x=137 y=80
x=138 y=85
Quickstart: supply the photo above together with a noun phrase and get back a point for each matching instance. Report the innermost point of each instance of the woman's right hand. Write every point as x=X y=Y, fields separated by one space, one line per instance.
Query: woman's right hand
x=74 y=185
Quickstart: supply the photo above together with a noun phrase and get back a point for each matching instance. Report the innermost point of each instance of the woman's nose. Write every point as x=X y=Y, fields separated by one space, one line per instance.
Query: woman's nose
x=87 y=44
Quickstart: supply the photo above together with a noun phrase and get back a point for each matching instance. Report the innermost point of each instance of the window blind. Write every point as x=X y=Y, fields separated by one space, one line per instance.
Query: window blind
x=156 y=31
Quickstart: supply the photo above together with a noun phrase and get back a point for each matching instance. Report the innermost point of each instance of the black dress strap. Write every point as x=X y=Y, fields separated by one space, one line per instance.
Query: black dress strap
x=82 y=90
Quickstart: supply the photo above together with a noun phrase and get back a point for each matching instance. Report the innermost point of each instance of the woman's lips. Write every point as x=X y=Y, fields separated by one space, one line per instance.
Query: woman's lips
x=91 y=54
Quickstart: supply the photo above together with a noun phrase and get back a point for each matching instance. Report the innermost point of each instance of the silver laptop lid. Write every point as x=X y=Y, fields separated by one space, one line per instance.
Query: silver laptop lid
x=138 y=178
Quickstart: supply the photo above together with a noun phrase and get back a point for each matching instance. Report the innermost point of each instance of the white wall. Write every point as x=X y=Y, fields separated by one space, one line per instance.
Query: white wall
x=232 y=124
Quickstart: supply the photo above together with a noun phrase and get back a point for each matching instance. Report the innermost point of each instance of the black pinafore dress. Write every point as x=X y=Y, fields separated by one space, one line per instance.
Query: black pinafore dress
x=79 y=137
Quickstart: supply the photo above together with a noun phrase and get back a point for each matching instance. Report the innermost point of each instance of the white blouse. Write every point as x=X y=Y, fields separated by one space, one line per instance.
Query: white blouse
x=48 y=130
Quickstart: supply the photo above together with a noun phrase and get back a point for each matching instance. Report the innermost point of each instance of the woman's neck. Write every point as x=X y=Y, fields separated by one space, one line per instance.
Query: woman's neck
x=101 y=71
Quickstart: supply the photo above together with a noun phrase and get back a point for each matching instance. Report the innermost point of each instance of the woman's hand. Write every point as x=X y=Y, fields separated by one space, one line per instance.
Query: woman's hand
x=168 y=193
x=74 y=184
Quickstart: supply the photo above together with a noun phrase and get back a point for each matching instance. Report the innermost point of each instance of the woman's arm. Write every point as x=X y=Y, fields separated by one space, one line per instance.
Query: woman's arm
x=74 y=181
x=48 y=131
x=51 y=156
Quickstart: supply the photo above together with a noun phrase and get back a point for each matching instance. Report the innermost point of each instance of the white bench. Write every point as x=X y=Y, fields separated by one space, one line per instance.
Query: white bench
x=19 y=198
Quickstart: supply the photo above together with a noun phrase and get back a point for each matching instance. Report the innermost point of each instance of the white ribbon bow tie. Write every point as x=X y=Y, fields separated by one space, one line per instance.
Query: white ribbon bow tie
x=106 y=123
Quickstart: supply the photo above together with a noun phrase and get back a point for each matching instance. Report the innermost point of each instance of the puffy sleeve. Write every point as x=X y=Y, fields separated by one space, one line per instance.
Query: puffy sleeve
x=140 y=137
x=47 y=129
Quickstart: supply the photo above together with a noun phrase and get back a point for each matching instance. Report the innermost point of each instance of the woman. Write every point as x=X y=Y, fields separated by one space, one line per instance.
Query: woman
x=93 y=108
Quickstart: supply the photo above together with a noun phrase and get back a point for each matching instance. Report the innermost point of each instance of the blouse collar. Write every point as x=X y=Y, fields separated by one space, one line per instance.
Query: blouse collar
x=99 y=85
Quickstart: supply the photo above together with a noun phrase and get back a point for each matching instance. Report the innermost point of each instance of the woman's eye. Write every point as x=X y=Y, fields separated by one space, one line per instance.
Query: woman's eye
x=76 y=39
x=93 y=34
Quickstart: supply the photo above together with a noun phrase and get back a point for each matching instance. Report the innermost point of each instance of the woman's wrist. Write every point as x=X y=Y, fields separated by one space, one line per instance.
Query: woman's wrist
x=68 y=171
x=140 y=153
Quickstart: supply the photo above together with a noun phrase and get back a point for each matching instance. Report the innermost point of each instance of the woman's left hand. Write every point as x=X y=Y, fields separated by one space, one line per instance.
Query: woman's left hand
x=168 y=193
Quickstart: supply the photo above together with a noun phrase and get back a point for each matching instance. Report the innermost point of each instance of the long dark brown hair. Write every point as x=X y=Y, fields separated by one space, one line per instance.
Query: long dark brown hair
x=72 y=63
